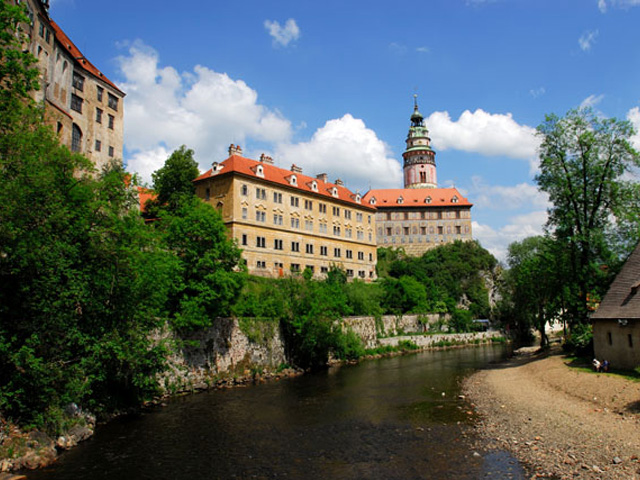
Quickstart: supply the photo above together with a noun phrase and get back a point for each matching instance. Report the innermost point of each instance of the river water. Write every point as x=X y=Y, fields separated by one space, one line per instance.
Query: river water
x=392 y=418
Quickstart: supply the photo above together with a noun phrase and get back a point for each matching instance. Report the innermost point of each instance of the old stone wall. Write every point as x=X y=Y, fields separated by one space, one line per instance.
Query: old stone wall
x=425 y=341
x=370 y=328
x=204 y=357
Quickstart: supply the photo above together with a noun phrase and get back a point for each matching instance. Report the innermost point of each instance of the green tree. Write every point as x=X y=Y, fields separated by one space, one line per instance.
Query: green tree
x=209 y=281
x=583 y=162
x=536 y=283
x=173 y=183
x=18 y=77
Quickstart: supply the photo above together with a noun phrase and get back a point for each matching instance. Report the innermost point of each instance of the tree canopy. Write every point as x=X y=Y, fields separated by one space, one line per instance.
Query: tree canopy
x=173 y=183
x=584 y=163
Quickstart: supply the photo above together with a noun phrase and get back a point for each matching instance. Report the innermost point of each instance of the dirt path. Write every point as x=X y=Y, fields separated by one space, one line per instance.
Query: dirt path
x=562 y=422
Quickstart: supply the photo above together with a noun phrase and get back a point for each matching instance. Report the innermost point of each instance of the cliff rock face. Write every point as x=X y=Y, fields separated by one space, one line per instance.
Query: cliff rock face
x=205 y=357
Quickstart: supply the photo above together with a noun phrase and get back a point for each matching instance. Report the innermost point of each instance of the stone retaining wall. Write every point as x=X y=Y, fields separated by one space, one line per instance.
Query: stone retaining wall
x=425 y=341
x=369 y=329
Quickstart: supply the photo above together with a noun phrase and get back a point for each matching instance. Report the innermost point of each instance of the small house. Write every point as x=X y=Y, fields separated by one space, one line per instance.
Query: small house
x=616 y=323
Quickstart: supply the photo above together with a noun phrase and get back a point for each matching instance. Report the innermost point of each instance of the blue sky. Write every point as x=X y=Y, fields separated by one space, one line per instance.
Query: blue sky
x=329 y=85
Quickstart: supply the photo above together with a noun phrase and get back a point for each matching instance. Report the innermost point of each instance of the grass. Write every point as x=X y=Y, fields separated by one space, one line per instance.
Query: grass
x=583 y=364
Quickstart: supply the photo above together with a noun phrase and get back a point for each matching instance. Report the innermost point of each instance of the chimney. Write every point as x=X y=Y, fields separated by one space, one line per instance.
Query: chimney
x=323 y=177
x=296 y=169
x=264 y=158
x=235 y=150
x=339 y=182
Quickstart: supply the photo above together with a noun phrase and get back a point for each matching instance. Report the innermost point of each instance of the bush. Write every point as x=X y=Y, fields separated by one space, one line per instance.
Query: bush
x=580 y=340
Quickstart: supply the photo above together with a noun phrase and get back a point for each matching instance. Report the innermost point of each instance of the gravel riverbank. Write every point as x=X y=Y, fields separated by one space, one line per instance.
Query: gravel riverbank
x=562 y=422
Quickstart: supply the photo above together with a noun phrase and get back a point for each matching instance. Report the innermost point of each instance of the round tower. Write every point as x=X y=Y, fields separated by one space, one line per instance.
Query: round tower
x=419 y=159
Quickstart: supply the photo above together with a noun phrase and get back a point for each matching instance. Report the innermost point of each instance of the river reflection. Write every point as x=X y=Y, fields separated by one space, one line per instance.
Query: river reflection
x=394 y=418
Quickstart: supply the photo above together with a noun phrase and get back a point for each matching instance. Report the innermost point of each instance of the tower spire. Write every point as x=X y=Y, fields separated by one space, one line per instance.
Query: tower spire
x=419 y=158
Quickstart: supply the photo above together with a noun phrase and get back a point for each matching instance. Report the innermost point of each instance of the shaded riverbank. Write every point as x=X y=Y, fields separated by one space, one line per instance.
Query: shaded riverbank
x=562 y=421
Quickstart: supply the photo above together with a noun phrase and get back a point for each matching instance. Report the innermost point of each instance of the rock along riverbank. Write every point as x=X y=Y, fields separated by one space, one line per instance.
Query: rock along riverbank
x=562 y=421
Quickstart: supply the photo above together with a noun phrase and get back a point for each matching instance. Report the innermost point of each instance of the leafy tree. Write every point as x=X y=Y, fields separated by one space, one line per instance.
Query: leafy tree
x=583 y=162
x=536 y=280
x=173 y=183
x=18 y=76
x=208 y=283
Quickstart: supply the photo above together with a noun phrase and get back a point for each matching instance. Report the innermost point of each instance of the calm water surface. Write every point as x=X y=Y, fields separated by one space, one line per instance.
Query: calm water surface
x=382 y=419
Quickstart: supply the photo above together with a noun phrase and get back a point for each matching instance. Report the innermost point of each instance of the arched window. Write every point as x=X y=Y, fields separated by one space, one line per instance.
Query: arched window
x=76 y=138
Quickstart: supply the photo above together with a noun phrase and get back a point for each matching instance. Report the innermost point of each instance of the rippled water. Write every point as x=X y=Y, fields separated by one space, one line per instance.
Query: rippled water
x=394 y=418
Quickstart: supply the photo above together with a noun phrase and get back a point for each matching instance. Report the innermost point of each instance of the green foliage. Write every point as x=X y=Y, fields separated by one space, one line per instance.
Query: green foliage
x=18 y=75
x=207 y=284
x=533 y=289
x=348 y=346
x=364 y=299
x=173 y=183
x=584 y=159
x=580 y=340
x=439 y=280
x=461 y=320
x=82 y=282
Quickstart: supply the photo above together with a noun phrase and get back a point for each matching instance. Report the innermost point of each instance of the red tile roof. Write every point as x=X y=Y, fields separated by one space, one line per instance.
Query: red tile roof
x=416 y=197
x=280 y=176
x=79 y=58
x=144 y=195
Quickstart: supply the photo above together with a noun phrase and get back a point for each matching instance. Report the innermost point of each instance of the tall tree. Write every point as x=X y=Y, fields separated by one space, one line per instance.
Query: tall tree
x=583 y=162
x=173 y=183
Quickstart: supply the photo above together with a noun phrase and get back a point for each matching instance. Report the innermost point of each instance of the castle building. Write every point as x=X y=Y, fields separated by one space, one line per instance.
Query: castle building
x=419 y=216
x=286 y=221
x=83 y=106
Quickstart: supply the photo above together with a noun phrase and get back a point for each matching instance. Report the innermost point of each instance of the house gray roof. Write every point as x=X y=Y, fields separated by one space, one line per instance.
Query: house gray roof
x=623 y=298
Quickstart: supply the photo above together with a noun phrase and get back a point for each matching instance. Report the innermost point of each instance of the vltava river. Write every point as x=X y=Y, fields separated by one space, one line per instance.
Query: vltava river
x=393 y=418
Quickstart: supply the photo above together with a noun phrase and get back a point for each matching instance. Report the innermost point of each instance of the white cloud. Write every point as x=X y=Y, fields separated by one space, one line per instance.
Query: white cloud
x=634 y=117
x=344 y=148
x=591 y=101
x=518 y=228
x=624 y=4
x=537 y=92
x=423 y=50
x=202 y=109
x=397 y=48
x=283 y=35
x=146 y=162
x=484 y=133
x=587 y=39
x=498 y=197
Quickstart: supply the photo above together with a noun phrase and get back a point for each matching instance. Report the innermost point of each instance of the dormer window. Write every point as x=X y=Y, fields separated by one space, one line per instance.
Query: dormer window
x=214 y=167
x=372 y=201
x=427 y=200
x=334 y=191
x=358 y=198
x=293 y=180
x=314 y=186
x=400 y=199
x=454 y=199
x=260 y=171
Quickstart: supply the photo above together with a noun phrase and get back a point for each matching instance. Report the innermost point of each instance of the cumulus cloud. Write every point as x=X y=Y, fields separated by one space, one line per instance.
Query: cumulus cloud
x=497 y=241
x=499 y=197
x=346 y=149
x=602 y=6
x=587 y=39
x=634 y=117
x=204 y=109
x=282 y=36
x=591 y=101
x=484 y=133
